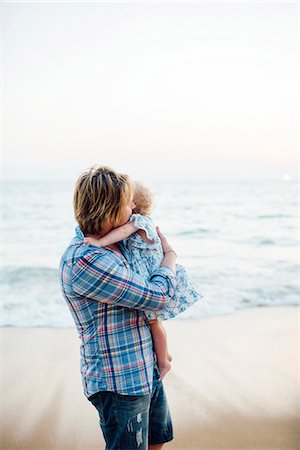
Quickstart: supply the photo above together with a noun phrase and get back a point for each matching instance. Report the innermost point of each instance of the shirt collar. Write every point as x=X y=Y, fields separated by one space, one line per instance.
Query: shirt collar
x=79 y=234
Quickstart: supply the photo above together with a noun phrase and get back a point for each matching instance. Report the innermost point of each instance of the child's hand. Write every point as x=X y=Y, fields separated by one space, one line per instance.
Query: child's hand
x=90 y=240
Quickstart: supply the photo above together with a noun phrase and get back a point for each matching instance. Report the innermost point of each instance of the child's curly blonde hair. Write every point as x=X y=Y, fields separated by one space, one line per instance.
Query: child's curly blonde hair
x=143 y=199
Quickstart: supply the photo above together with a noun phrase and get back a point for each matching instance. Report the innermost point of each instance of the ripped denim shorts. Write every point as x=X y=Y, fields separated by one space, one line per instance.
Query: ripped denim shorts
x=133 y=422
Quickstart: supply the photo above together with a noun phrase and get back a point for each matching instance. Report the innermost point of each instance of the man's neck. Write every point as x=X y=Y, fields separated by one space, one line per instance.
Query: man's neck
x=106 y=228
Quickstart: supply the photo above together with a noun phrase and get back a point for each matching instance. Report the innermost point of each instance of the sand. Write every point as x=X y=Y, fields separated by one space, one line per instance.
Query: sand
x=234 y=385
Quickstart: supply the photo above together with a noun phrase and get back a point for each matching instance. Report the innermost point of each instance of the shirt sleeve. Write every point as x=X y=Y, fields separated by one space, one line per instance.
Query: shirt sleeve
x=107 y=279
x=145 y=223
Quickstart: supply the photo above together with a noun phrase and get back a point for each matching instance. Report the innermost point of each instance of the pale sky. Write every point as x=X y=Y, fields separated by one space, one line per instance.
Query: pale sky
x=206 y=89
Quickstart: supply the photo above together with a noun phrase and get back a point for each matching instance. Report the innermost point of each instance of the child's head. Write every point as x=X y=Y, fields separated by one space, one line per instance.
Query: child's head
x=143 y=199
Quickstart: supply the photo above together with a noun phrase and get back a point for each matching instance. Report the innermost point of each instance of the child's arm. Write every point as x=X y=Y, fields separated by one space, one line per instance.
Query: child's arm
x=116 y=235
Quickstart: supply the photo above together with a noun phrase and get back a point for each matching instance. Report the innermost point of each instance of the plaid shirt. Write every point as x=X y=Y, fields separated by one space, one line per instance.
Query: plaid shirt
x=107 y=300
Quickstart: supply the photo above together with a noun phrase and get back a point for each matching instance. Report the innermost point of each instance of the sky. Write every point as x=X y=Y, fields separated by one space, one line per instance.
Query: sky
x=189 y=89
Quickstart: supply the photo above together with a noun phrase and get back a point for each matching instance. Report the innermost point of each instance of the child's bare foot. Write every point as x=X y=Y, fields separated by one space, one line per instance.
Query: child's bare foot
x=169 y=357
x=164 y=369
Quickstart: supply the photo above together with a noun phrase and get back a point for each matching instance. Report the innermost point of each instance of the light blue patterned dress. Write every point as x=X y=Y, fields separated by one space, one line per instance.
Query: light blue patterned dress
x=144 y=258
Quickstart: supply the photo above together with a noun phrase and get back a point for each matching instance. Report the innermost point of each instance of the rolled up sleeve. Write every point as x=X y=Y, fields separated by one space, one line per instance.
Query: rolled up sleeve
x=107 y=279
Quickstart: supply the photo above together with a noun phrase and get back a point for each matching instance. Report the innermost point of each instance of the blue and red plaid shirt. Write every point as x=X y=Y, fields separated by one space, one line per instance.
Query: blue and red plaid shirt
x=107 y=301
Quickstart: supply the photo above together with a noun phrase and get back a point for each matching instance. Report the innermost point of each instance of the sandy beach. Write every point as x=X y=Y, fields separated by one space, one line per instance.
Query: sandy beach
x=234 y=385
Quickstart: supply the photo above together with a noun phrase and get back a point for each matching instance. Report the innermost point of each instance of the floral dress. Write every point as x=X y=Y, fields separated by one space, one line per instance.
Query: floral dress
x=144 y=258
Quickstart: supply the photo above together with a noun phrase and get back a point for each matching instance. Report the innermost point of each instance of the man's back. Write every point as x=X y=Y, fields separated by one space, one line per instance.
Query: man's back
x=116 y=344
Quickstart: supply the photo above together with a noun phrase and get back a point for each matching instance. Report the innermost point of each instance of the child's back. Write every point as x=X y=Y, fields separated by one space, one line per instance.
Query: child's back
x=143 y=256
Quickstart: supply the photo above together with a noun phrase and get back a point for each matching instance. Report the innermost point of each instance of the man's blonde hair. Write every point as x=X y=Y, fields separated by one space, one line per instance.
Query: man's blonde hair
x=101 y=195
x=143 y=199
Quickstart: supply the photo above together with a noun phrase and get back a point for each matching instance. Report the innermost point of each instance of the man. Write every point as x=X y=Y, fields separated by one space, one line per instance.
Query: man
x=107 y=300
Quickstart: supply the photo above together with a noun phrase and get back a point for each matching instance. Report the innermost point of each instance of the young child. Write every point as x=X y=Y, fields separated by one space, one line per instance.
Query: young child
x=144 y=253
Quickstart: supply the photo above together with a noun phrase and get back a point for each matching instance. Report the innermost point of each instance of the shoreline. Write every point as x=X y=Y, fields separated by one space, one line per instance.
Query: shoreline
x=234 y=384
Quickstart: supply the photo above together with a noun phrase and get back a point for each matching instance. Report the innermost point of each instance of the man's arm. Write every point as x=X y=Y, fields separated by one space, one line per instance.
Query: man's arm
x=105 y=278
x=116 y=235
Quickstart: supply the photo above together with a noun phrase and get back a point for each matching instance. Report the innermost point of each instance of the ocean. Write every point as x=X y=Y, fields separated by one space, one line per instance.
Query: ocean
x=238 y=240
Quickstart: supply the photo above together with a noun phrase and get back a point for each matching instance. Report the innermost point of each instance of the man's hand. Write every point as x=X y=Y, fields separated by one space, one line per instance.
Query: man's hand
x=164 y=243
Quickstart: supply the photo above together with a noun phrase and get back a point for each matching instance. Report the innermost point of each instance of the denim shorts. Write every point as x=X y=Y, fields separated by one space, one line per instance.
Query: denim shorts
x=134 y=422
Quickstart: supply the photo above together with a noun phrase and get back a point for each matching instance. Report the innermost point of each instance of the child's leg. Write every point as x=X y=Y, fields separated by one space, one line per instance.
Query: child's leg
x=159 y=336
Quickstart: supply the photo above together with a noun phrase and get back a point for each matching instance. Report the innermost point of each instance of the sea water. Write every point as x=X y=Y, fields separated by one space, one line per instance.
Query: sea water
x=238 y=240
